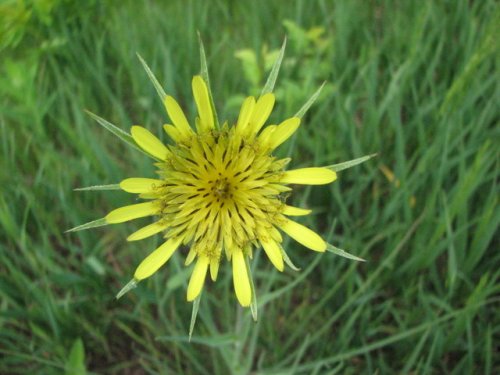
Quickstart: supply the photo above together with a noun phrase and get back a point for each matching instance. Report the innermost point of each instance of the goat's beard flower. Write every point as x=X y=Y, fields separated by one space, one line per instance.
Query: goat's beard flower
x=219 y=191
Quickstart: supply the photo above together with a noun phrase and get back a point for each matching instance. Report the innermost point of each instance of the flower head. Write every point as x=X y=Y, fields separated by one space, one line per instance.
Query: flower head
x=219 y=191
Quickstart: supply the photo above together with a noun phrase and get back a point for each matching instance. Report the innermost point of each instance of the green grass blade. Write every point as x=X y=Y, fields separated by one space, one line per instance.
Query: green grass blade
x=212 y=341
x=75 y=363
x=278 y=292
x=391 y=339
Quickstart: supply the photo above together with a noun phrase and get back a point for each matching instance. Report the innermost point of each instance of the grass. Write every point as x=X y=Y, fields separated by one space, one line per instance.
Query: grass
x=415 y=82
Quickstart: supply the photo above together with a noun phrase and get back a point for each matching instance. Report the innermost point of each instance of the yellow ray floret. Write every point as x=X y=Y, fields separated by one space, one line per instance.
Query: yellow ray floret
x=265 y=136
x=260 y=113
x=214 y=268
x=202 y=100
x=197 y=278
x=295 y=211
x=283 y=131
x=148 y=142
x=147 y=231
x=309 y=176
x=174 y=133
x=131 y=212
x=245 y=113
x=177 y=116
x=157 y=259
x=273 y=252
x=140 y=185
x=241 y=279
x=303 y=235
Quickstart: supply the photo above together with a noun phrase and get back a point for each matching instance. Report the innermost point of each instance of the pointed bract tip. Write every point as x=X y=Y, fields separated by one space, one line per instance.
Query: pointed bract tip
x=332 y=249
x=128 y=287
x=89 y=225
x=194 y=315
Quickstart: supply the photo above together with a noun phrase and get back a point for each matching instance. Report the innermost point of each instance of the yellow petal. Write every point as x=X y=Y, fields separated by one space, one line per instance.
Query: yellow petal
x=266 y=134
x=197 y=278
x=147 y=231
x=149 y=195
x=148 y=142
x=214 y=268
x=295 y=211
x=241 y=279
x=131 y=212
x=309 y=176
x=284 y=131
x=245 y=112
x=177 y=116
x=190 y=257
x=157 y=259
x=173 y=132
x=261 y=112
x=273 y=252
x=304 y=235
x=140 y=185
x=276 y=236
x=200 y=92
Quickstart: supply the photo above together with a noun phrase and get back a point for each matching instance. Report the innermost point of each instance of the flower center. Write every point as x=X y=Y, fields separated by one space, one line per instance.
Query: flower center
x=222 y=188
x=221 y=192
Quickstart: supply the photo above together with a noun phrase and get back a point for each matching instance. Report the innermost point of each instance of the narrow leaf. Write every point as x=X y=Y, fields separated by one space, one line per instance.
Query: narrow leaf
x=132 y=284
x=92 y=224
x=271 y=80
x=350 y=163
x=206 y=78
x=269 y=296
x=253 y=304
x=211 y=341
x=75 y=363
x=302 y=111
x=152 y=78
x=99 y=187
x=194 y=314
x=342 y=253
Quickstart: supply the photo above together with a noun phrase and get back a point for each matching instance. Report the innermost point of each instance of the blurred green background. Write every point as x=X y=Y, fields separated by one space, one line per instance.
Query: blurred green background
x=414 y=81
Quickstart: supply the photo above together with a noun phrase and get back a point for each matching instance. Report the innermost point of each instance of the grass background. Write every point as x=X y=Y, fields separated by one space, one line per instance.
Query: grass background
x=414 y=81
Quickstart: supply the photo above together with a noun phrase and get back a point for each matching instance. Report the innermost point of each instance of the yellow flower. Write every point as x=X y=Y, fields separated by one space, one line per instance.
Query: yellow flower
x=219 y=191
